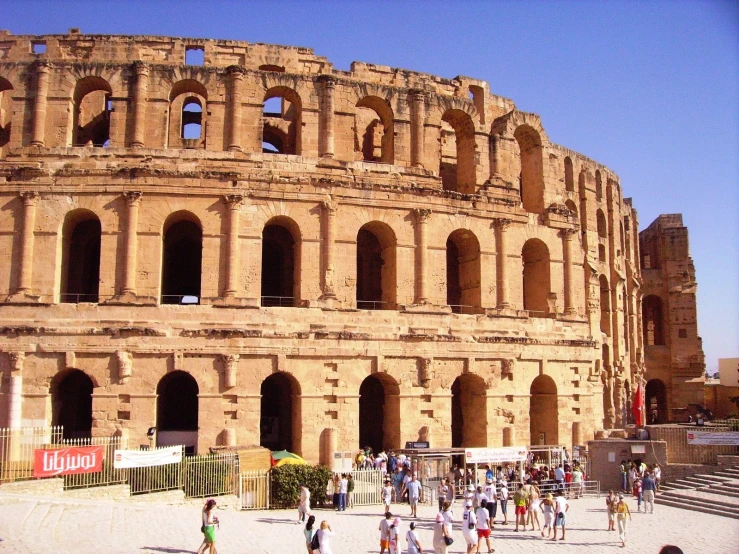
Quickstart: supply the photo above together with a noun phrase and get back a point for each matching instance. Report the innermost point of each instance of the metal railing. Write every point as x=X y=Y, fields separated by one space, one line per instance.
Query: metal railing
x=584 y=488
x=211 y=475
x=181 y=299
x=278 y=301
x=367 y=486
x=144 y=480
x=373 y=305
x=464 y=309
x=108 y=476
x=73 y=298
x=17 y=447
x=254 y=490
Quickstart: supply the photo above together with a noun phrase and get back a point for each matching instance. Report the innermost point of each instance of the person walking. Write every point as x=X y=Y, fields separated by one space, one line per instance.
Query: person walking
x=343 y=489
x=560 y=514
x=208 y=528
x=547 y=508
x=520 y=501
x=448 y=517
x=469 y=525
x=413 y=487
x=624 y=470
x=533 y=508
x=387 y=495
x=649 y=487
x=411 y=538
x=622 y=511
x=303 y=503
x=442 y=494
x=350 y=490
x=638 y=493
x=385 y=532
x=611 y=502
x=577 y=478
x=492 y=497
x=394 y=537
x=657 y=472
x=483 y=526
x=503 y=497
x=440 y=545
x=324 y=535
x=335 y=498
x=309 y=533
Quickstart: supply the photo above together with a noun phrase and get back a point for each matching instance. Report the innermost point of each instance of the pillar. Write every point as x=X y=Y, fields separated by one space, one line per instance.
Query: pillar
x=566 y=235
x=509 y=436
x=233 y=201
x=43 y=68
x=422 y=216
x=229 y=436
x=236 y=72
x=329 y=446
x=17 y=360
x=329 y=214
x=133 y=200
x=495 y=156
x=418 y=116
x=501 y=226
x=608 y=412
x=141 y=70
x=576 y=433
x=25 y=280
x=618 y=398
x=231 y=365
x=327 y=117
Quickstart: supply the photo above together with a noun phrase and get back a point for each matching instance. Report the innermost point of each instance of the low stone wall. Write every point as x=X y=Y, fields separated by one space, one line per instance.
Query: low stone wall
x=54 y=486
x=112 y=492
x=166 y=497
x=604 y=458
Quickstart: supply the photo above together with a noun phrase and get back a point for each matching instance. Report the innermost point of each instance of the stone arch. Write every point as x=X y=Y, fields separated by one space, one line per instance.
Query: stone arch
x=605 y=305
x=376 y=267
x=457 y=159
x=188 y=107
x=572 y=207
x=91 y=110
x=178 y=410
x=536 y=277
x=379 y=412
x=544 y=412
x=281 y=262
x=532 y=168
x=469 y=411
x=279 y=427
x=569 y=175
x=80 y=248
x=583 y=194
x=182 y=258
x=375 y=135
x=653 y=320
x=282 y=129
x=463 y=271
x=71 y=403
x=6 y=113
x=655 y=398
x=601 y=224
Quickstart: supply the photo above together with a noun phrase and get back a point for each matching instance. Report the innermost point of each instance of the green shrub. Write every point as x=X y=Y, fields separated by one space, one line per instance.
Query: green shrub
x=286 y=482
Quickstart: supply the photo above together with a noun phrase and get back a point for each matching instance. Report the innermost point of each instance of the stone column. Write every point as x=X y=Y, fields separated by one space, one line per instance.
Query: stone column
x=566 y=235
x=139 y=107
x=43 y=68
x=618 y=398
x=327 y=117
x=329 y=214
x=501 y=226
x=418 y=116
x=608 y=412
x=25 y=279
x=133 y=200
x=233 y=201
x=16 y=389
x=495 y=156
x=422 y=216
x=236 y=73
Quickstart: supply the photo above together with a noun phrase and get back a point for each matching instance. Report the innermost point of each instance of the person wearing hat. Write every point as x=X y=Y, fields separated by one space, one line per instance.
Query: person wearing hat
x=394 y=536
x=479 y=497
x=547 y=508
x=469 y=526
x=622 y=510
x=492 y=506
x=503 y=497
x=483 y=527
x=469 y=494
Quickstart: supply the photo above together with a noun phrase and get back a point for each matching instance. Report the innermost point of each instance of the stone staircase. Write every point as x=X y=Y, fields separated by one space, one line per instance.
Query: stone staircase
x=715 y=493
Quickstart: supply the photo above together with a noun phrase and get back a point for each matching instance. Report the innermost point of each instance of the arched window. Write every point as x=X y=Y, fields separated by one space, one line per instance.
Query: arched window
x=569 y=176
x=6 y=113
x=379 y=412
x=80 y=275
x=374 y=127
x=457 y=159
x=572 y=207
x=71 y=403
x=536 y=280
x=601 y=252
x=91 y=112
x=532 y=170
x=653 y=321
x=182 y=259
x=477 y=95
x=281 y=121
x=177 y=410
x=601 y=223
x=192 y=119
x=279 y=412
x=605 y=306
x=598 y=186
x=469 y=414
x=656 y=402
x=188 y=110
x=280 y=263
x=582 y=192
x=544 y=423
x=376 y=278
x=463 y=272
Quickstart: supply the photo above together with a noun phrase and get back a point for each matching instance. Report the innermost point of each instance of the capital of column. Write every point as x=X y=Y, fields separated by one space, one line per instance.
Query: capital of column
x=233 y=201
x=140 y=68
x=29 y=198
x=42 y=65
x=567 y=234
x=330 y=206
x=502 y=223
x=236 y=71
x=327 y=81
x=422 y=215
x=17 y=359
x=417 y=94
x=133 y=197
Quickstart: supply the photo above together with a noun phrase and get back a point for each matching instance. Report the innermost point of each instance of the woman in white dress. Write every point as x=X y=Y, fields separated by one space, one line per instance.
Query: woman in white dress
x=324 y=534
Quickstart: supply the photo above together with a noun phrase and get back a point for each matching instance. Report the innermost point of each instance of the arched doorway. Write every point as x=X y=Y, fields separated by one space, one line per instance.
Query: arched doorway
x=80 y=257
x=280 y=269
x=182 y=260
x=536 y=278
x=463 y=272
x=71 y=401
x=376 y=279
x=543 y=411
x=656 y=399
x=177 y=410
x=379 y=413
x=279 y=412
x=469 y=414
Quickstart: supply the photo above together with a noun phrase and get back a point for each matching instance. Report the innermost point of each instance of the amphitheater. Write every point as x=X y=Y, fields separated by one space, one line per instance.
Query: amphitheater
x=237 y=243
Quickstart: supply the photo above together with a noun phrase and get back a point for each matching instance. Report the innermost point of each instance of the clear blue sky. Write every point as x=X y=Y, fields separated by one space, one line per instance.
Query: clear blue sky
x=651 y=89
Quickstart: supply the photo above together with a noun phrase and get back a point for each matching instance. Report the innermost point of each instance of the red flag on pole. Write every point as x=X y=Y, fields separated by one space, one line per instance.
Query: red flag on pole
x=638 y=405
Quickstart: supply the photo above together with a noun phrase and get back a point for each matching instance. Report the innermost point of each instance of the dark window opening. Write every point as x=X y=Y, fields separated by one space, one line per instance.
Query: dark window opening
x=569 y=177
x=192 y=119
x=532 y=168
x=468 y=402
x=652 y=320
x=598 y=186
x=182 y=263
x=278 y=267
x=457 y=152
x=605 y=306
x=276 y=421
x=194 y=55
x=38 y=47
x=82 y=262
x=463 y=272
x=656 y=404
x=682 y=333
x=177 y=402
x=453 y=288
x=369 y=271
x=271 y=67
x=602 y=226
x=544 y=413
x=71 y=399
x=371 y=414
x=601 y=253
x=536 y=278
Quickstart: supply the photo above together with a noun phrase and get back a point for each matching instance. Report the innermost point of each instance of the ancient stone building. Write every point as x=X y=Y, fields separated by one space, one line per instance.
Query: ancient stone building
x=673 y=351
x=238 y=243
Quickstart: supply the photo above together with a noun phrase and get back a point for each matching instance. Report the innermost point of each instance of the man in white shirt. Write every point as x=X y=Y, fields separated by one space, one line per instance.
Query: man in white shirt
x=343 y=489
x=492 y=495
x=483 y=528
x=559 y=477
x=560 y=514
x=414 y=493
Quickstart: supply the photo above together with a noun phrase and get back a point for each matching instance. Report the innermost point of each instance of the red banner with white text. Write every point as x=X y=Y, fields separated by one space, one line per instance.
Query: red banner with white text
x=67 y=461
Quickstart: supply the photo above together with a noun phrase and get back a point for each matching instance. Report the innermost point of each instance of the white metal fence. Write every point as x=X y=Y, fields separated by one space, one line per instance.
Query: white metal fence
x=17 y=447
x=254 y=490
x=367 y=486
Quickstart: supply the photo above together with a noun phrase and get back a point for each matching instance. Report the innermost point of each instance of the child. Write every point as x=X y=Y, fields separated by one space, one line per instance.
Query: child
x=637 y=491
x=387 y=495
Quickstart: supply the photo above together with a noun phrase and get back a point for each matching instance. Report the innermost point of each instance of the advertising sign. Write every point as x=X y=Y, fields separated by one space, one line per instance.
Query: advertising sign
x=126 y=459
x=495 y=455
x=410 y=445
x=717 y=438
x=67 y=461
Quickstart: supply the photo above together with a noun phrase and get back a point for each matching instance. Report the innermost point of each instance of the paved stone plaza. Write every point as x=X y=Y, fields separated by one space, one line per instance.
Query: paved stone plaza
x=43 y=525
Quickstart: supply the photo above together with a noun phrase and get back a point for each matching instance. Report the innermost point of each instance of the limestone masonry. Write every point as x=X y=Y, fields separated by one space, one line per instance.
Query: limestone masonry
x=236 y=243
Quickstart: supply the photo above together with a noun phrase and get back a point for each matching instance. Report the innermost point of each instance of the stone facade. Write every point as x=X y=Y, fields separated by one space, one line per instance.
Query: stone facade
x=673 y=351
x=254 y=245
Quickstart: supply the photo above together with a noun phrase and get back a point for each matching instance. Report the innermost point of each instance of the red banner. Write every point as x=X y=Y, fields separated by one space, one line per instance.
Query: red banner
x=67 y=461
